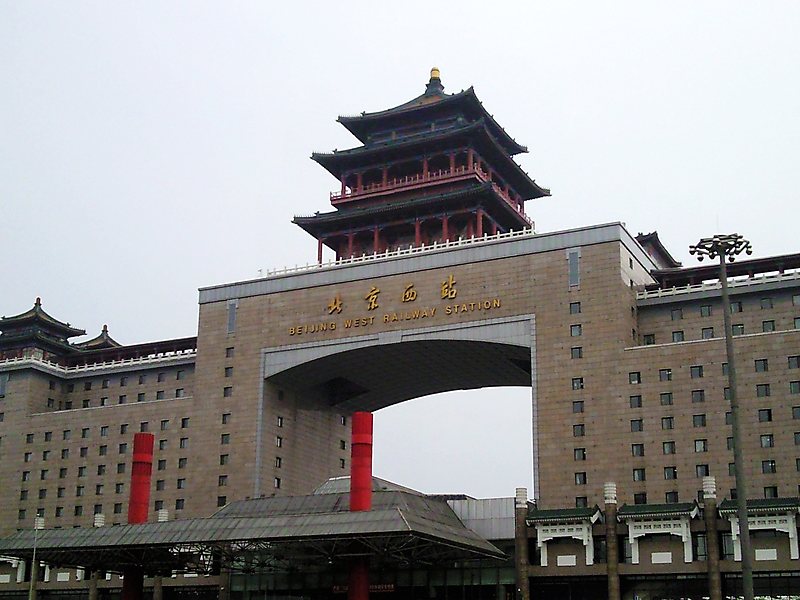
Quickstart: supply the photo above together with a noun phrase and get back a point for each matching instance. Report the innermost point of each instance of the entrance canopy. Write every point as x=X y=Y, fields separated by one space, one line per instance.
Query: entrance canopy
x=402 y=526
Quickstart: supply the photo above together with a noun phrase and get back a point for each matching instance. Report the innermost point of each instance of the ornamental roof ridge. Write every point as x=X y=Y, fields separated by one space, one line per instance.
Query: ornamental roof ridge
x=729 y=506
x=633 y=511
x=102 y=340
x=562 y=515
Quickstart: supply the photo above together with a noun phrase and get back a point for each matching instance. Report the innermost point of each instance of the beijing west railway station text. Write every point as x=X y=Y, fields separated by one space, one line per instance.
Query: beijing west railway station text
x=237 y=463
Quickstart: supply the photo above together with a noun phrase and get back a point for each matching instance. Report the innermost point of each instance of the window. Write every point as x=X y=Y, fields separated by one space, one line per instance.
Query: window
x=668 y=447
x=724 y=368
x=701 y=445
x=232 y=306
x=737 y=329
x=640 y=498
x=161 y=377
x=28 y=457
x=726 y=393
x=142 y=379
x=98 y=489
x=575 y=330
x=580 y=478
x=84 y=452
x=705 y=310
x=696 y=371
x=180 y=393
x=160 y=395
x=162 y=464
x=162 y=444
x=634 y=377
x=771 y=491
x=666 y=398
x=78 y=511
x=731 y=471
x=574 y=308
x=707 y=333
x=101 y=469
x=639 y=475
x=797 y=322
x=698 y=420
x=43 y=474
x=79 y=491
x=82 y=471
x=767 y=441
x=278 y=462
x=226 y=418
x=225 y=438
x=736 y=307
x=698 y=396
x=228 y=371
x=86 y=403
x=276 y=483
x=227 y=392
x=767 y=326
x=649 y=339
x=794 y=387
x=677 y=336
x=222 y=500
x=729 y=418
x=48 y=436
x=637 y=449
x=764 y=415
x=278 y=441
x=123 y=448
x=123 y=381
x=179 y=503
x=579 y=454
x=184 y=442
x=701 y=470
x=144 y=427
x=119 y=488
x=766 y=303
x=160 y=485
x=122 y=399
x=797 y=438
x=578 y=430
x=670 y=472
x=676 y=314
x=342 y=445
x=577 y=383
x=26 y=476
x=794 y=362
x=224 y=459
x=637 y=425
x=577 y=406
x=140 y=397
x=279 y=421
x=768 y=466
x=87 y=385
x=229 y=351
x=581 y=501
x=164 y=424
x=103 y=450
x=761 y=365
x=667 y=422
x=762 y=390
x=635 y=401
x=181 y=484
x=64 y=453
x=182 y=462
x=120 y=468
x=573 y=260
x=576 y=352
x=158 y=505
x=665 y=374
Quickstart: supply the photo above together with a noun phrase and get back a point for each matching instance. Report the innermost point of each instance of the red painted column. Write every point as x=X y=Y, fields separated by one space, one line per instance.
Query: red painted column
x=350 y=244
x=417 y=233
x=445 y=233
x=479 y=223
x=138 y=505
x=319 y=251
x=452 y=163
x=359 y=181
x=425 y=167
x=385 y=175
x=376 y=240
x=470 y=159
x=360 y=495
x=344 y=185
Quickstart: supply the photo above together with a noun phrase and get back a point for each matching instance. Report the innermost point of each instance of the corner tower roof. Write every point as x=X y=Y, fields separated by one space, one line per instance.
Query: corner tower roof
x=37 y=318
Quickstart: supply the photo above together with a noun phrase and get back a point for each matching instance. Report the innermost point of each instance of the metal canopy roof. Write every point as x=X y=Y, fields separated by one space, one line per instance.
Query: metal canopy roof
x=402 y=526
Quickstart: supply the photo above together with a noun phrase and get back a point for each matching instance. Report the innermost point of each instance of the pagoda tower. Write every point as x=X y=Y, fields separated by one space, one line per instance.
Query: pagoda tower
x=434 y=169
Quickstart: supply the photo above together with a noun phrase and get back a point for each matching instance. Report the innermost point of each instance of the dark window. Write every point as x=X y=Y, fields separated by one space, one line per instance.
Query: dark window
x=698 y=396
x=698 y=420
x=728 y=418
x=575 y=330
x=179 y=503
x=576 y=352
x=676 y=314
x=707 y=333
x=794 y=387
x=670 y=472
x=577 y=406
x=227 y=392
x=794 y=362
x=767 y=441
x=701 y=445
x=667 y=423
x=767 y=326
x=677 y=336
x=579 y=454
x=762 y=390
x=581 y=502
x=736 y=307
x=768 y=466
x=637 y=449
x=634 y=377
x=574 y=308
x=705 y=310
x=764 y=415
x=229 y=352
x=665 y=374
x=771 y=491
x=579 y=430
x=639 y=474
x=737 y=329
x=666 y=398
x=701 y=470
x=637 y=425
x=635 y=401
x=573 y=258
x=228 y=371
x=232 y=306
x=580 y=478
x=649 y=339
x=577 y=383
x=640 y=498
x=696 y=371
x=766 y=303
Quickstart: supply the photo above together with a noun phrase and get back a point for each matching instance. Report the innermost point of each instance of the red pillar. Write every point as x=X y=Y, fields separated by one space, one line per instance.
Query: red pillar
x=470 y=159
x=385 y=175
x=361 y=462
x=344 y=185
x=350 y=244
x=360 y=495
x=376 y=239
x=479 y=222
x=452 y=163
x=319 y=251
x=359 y=181
x=417 y=233
x=445 y=233
x=138 y=505
x=425 y=167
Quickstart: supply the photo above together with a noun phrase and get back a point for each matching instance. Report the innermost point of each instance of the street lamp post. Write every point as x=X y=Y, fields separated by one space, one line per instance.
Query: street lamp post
x=38 y=523
x=728 y=247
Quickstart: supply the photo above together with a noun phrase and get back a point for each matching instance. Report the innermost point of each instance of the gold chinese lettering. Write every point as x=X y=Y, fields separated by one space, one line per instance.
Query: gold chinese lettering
x=410 y=294
x=335 y=305
x=449 y=288
x=372 y=298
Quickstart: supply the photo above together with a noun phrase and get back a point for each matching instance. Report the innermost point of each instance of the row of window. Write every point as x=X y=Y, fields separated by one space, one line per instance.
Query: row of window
x=672 y=497
x=124 y=428
x=760 y=365
x=707 y=333
x=123 y=381
x=706 y=310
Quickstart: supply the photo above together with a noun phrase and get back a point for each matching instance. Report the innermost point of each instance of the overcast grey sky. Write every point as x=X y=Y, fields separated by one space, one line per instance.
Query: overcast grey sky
x=151 y=148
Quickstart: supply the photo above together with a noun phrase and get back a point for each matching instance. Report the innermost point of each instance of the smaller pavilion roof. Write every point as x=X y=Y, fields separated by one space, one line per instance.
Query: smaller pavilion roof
x=102 y=341
x=564 y=515
x=762 y=505
x=37 y=317
x=640 y=511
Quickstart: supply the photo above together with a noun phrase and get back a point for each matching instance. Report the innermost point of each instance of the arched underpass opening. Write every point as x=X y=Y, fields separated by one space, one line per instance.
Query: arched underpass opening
x=475 y=442
x=446 y=439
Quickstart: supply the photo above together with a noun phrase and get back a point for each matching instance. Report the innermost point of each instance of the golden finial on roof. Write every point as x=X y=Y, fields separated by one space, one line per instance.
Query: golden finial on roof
x=435 y=73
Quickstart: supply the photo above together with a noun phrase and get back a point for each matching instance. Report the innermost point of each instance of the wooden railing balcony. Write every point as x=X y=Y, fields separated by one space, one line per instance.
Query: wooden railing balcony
x=421 y=180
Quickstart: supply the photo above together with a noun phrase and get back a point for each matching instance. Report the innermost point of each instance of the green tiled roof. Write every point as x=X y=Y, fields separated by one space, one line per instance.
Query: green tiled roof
x=656 y=510
x=762 y=505
x=553 y=515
